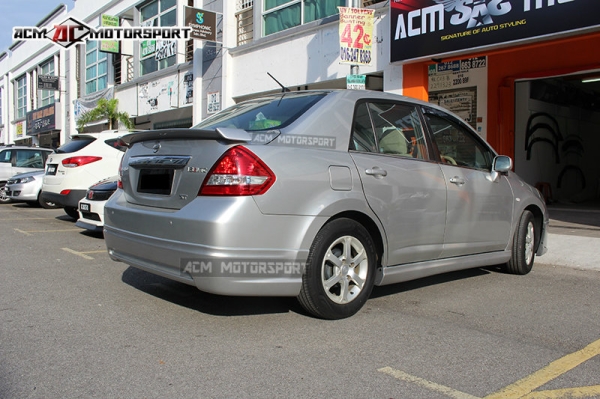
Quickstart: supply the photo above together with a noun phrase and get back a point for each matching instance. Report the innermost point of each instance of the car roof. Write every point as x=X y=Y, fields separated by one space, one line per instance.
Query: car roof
x=24 y=147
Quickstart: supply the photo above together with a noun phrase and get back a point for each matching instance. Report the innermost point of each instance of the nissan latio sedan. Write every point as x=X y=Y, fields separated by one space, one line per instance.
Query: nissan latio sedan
x=320 y=195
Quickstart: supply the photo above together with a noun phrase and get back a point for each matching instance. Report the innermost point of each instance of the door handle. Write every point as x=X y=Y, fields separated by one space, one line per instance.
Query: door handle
x=459 y=181
x=376 y=171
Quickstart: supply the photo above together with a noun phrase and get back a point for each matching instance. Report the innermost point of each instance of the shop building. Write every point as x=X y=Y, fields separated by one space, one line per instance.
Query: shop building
x=514 y=69
x=33 y=100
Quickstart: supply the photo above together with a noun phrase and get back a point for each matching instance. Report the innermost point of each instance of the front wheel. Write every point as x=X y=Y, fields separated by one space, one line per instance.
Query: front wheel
x=340 y=270
x=523 y=248
x=4 y=198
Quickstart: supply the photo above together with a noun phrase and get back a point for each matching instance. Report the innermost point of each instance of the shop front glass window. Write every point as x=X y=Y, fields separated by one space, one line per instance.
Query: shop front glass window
x=279 y=15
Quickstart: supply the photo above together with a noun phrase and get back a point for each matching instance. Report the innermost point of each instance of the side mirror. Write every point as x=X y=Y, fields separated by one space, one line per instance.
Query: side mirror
x=502 y=164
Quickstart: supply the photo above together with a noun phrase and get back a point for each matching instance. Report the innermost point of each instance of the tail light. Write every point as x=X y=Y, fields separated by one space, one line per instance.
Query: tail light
x=120 y=179
x=238 y=172
x=74 y=162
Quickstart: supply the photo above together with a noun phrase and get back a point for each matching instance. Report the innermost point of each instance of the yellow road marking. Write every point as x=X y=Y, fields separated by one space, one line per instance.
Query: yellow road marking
x=524 y=388
x=581 y=392
x=432 y=386
x=558 y=367
x=83 y=254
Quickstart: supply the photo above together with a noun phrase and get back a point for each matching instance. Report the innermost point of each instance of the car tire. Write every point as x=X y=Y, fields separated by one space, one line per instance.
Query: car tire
x=72 y=212
x=4 y=198
x=523 y=247
x=46 y=204
x=333 y=286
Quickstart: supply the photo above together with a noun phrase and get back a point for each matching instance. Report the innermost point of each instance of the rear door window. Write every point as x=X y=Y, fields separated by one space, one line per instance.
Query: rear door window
x=388 y=128
x=30 y=159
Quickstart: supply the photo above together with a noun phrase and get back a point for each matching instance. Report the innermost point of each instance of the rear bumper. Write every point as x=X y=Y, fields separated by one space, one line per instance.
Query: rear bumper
x=69 y=200
x=89 y=226
x=220 y=245
x=93 y=219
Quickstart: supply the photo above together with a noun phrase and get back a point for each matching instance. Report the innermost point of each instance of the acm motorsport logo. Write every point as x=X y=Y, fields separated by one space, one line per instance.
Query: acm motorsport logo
x=72 y=31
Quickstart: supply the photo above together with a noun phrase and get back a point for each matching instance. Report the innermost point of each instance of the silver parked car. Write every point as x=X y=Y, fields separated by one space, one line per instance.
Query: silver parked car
x=27 y=187
x=320 y=195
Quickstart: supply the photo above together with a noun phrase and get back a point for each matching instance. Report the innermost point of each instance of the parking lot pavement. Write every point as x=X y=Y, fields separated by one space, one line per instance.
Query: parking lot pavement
x=73 y=323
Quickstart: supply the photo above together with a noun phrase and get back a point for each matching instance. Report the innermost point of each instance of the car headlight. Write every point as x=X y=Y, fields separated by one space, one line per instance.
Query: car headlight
x=25 y=180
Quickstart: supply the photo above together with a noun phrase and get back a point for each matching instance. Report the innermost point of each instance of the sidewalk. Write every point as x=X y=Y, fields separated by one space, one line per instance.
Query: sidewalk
x=572 y=251
x=573 y=238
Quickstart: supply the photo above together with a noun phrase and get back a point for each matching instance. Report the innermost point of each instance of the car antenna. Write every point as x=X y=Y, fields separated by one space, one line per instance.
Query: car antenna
x=283 y=88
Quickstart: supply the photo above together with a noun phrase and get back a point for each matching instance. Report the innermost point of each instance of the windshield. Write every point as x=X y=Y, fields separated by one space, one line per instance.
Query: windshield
x=263 y=113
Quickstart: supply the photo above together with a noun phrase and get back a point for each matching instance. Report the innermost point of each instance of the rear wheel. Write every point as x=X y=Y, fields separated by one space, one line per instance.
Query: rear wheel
x=46 y=204
x=523 y=248
x=72 y=212
x=340 y=270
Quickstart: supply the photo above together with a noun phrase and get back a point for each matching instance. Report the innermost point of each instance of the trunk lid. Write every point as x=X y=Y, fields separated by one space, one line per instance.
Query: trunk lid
x=166 y=168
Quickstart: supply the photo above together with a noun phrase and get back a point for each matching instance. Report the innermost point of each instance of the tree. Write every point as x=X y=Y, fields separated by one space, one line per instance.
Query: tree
x=105 y=109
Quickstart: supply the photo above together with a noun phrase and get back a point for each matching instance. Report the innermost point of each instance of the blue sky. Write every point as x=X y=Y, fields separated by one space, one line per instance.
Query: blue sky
x=24 y=13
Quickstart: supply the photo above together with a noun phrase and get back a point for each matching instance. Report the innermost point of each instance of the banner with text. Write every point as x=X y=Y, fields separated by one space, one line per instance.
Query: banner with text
x=356 y=34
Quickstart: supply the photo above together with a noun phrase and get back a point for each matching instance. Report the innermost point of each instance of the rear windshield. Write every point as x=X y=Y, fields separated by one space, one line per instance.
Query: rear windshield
x=263 y=113
x=76 y=144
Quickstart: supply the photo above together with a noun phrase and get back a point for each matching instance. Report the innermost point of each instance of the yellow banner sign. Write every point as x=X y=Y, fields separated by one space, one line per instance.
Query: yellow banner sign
x=356 y=35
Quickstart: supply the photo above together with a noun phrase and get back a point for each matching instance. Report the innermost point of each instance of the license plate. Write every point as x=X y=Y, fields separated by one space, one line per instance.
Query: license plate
x=84 y=207
x=51 y=170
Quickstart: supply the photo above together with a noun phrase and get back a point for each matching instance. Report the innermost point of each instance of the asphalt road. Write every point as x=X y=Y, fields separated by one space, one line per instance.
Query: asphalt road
x=74 y=324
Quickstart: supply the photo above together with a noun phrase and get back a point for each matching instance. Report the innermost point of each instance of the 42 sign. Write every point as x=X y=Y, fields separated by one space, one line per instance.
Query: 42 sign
x=356 y=32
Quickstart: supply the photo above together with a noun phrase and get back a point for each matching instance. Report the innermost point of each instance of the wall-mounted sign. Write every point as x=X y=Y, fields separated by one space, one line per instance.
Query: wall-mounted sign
x=41 y=120
x=202 y=22
x=426 y=28
x=356 y=82
x=461 y=87
x=188 y=88
x=109 y=46
x=19 y=130
x=356 y=35
x=213 y=102
x=165 y=49
x=147 y=47
x=48 y=82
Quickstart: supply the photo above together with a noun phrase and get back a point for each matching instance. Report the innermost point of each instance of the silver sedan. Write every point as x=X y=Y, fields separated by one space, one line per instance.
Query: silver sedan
x=320 y=195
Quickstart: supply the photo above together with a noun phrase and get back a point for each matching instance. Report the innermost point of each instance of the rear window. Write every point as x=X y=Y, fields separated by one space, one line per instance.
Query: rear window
x=263 y=113
x=76 y=144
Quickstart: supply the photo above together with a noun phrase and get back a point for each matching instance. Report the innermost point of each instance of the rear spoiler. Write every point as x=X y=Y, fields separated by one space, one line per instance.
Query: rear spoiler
x=220 y=133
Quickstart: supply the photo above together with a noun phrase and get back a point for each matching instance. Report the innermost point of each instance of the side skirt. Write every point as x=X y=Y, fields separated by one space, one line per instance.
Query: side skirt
x=413 y=271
